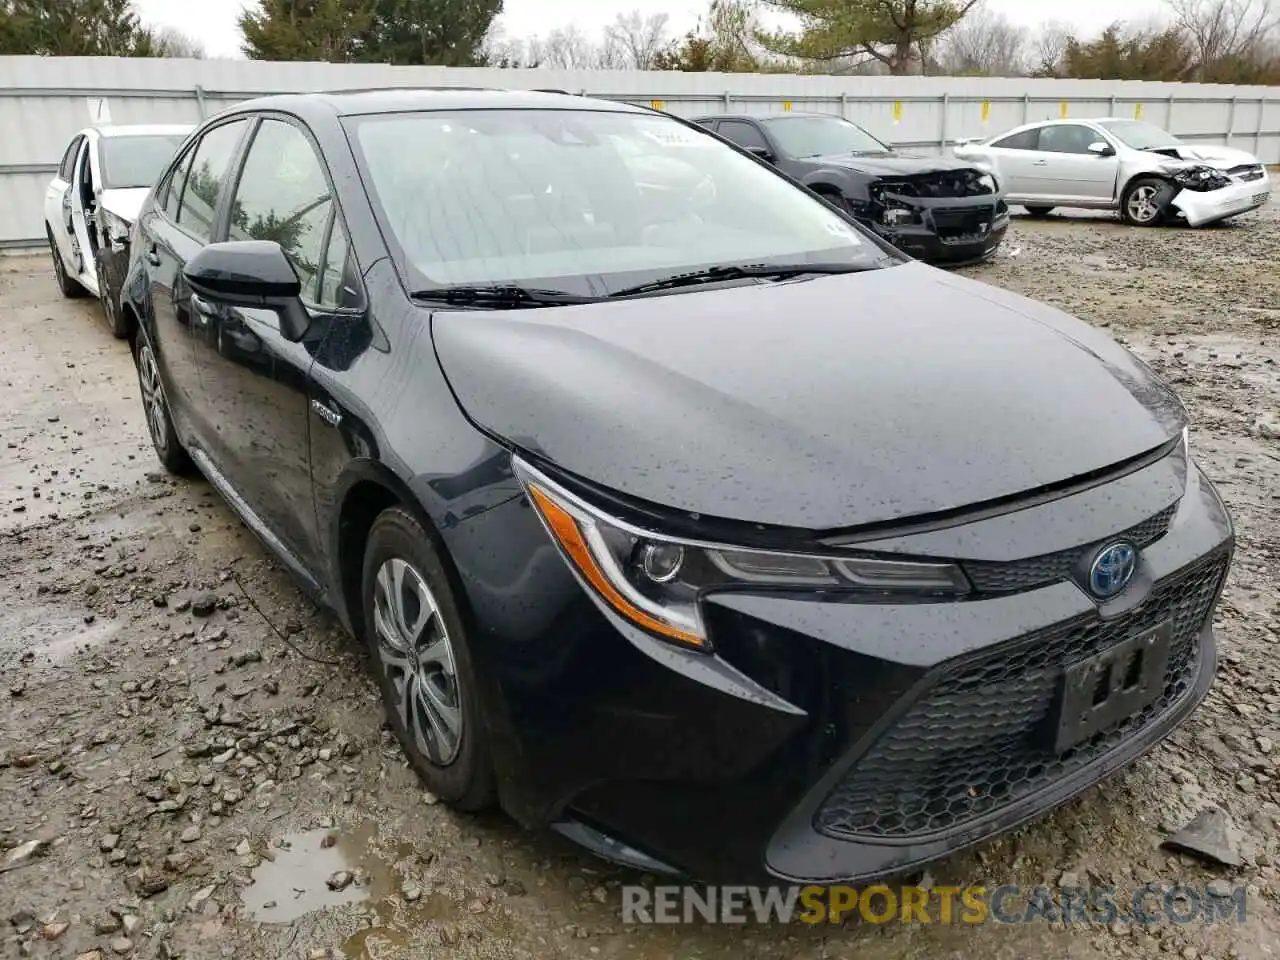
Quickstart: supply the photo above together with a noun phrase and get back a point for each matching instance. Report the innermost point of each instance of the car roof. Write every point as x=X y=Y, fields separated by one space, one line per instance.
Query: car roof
x=770 y=116
x=144 y=130
x=345 y=103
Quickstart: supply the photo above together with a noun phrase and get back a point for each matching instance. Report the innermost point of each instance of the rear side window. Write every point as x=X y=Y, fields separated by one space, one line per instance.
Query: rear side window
x=1026 y=140
x=68 y=165
x=207 y=178
x=283 y=195
x=742 y=133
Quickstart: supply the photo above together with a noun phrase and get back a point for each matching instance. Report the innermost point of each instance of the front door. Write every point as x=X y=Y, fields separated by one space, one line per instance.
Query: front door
x=256 y=383
x=1072 y=172
x=169 y=240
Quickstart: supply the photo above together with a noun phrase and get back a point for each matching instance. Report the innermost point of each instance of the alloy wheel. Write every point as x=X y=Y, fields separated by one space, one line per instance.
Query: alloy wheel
x=1141 y=204
x=153 y=397
x=416 y=655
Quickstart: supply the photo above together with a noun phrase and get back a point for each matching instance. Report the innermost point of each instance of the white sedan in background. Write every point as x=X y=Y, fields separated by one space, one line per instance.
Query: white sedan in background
x=93 y=200
x=1147 y=174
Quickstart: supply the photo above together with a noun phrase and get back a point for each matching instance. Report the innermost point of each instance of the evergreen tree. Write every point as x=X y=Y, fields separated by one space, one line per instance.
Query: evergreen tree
x=73 y=28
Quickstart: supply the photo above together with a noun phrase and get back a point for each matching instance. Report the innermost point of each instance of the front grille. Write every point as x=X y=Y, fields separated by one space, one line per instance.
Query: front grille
x=979 y=739
x=1247 y=172
x=1005 y=577
x=950 y=183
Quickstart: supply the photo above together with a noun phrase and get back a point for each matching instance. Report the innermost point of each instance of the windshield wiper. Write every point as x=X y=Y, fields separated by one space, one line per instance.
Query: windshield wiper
x=780 y=271
x=505 y=295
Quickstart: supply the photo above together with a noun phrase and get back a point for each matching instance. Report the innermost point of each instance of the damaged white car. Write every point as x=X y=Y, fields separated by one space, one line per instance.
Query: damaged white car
x=1149 y=175
x=91 y=204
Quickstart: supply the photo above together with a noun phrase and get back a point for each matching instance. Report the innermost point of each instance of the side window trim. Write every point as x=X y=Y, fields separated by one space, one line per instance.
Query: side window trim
x=66 y=169
x=335 y=216
x=166 y=183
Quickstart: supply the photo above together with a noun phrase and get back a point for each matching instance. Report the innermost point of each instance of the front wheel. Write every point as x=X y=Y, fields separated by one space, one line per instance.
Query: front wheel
x=156 y=407
x=1139 y=206
x=110 y=309
x=421 y=655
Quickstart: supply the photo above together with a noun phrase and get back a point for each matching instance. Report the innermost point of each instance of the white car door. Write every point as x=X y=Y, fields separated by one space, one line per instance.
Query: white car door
x=1072 y=173
x=57 y=199
x=1016 y=161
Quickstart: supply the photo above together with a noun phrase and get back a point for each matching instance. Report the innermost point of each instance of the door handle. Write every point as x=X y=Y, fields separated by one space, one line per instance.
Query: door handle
x=153 y=256
x=1039 y=163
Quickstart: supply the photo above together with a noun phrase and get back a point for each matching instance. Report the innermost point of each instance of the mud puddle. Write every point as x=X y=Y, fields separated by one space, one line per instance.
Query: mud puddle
x=322 y=870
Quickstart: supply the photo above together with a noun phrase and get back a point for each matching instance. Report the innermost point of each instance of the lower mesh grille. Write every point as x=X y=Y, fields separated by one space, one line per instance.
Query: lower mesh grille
x=977 y=740
x=990 y=577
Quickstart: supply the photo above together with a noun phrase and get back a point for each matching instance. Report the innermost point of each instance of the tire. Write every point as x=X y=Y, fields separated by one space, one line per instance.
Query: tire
x=1137 y=205
x=1038 y=212
x=67 y=285
x=432 y=697
x=115 y=319
x=155 y=407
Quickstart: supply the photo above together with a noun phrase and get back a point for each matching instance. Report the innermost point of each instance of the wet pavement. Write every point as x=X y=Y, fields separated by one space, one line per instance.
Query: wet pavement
x=177 y=781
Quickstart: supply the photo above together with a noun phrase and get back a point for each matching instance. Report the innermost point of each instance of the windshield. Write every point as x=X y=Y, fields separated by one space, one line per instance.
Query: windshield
x=135 y=161
x=1139 y=135
x=581 y=201
x=822 y=136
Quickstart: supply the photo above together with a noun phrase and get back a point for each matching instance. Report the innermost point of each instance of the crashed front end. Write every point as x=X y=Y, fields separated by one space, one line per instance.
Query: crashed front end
x=1205 y=194
x=945 y=217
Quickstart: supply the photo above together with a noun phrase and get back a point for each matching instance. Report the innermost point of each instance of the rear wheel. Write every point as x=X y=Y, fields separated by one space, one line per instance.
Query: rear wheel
x=156 y=407
x=1039 y=212
x=68 y=285
x=1139 y=205
x=421 y=656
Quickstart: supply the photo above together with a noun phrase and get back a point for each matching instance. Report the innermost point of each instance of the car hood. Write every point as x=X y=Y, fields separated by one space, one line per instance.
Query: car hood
x=1223 y=158
x=818 y=404
x=125 y=203
x=897 y=165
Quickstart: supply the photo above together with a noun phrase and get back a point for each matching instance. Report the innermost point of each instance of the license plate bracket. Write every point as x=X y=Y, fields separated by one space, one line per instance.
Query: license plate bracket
x=1110 y=686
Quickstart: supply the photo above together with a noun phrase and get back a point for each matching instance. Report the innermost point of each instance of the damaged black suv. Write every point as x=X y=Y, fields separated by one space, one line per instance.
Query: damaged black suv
x=937 y=209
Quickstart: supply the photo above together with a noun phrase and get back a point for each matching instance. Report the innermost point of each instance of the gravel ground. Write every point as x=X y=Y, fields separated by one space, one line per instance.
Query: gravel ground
x=178 y=780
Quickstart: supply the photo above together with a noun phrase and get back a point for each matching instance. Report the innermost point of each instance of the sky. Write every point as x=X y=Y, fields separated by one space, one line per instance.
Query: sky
x=213 y=22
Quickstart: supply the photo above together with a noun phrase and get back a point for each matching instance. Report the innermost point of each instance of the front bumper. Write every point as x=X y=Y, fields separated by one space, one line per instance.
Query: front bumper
x=950 y=234
x=832 y=740
x=1211 y=206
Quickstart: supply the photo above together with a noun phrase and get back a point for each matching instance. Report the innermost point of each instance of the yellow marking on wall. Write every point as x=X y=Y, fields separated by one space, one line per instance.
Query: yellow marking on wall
x=897 y=111
x=786 y=105
x=1137 y=111
x=1062 y=110
x=656 y=104
x=986 y=110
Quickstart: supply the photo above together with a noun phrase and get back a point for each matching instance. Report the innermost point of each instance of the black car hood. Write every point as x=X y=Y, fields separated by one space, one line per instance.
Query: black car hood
x=818 y=404
x=896 y=165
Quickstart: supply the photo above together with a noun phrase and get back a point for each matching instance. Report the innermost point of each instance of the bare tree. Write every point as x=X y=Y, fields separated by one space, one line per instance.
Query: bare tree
x=1049 y=48
x=172 y=42
x=638 y=38
x=984 y=43
x=1222 y=30
x=565 y=48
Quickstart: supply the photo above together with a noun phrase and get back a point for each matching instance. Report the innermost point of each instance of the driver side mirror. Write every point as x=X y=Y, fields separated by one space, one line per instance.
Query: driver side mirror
x=764 y=153
x=1102 y=149
x=251 y=273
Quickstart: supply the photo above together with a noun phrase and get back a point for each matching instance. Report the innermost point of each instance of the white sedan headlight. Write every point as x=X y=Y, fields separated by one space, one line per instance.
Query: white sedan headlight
x=988 y=180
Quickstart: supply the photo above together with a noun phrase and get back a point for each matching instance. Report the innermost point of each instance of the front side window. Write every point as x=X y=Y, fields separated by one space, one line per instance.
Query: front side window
x=283 y=196
x=1067 y=138
x=1140 y=135
x=207 y=178
x=586 y=202
x=68 y=165
x=135 y=161
x=822 y=136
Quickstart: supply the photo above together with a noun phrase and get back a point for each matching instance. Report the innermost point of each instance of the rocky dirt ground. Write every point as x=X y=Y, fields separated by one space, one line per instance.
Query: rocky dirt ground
x=178 y=780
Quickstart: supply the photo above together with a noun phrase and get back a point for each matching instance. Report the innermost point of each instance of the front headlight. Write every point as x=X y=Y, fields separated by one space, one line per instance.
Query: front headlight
x=989 y=181
x=655 y=581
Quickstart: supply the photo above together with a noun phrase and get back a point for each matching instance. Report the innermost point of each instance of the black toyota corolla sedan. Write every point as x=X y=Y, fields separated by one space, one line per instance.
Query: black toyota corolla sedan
x=679 y=513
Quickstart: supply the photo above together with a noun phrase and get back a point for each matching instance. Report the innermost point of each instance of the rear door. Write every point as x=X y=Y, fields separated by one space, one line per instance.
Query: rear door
x=172 y=237
x=1071 y=172
x=57 y=199
x=1017 y=163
